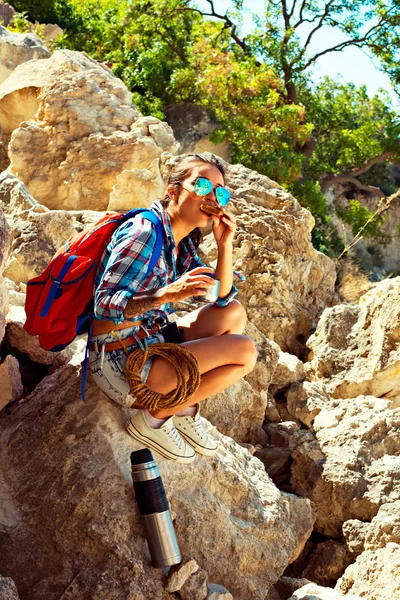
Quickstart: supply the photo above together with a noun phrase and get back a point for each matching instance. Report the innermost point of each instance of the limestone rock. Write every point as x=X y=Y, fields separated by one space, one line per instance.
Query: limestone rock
x=8 y=589
x=193 y=126
x=271 y=412
x=288 y=282
x=4 y=251
x=375 y=575
x=276 y=460
x=355 y=532
x=195 y=587
x=20 y=340
x=286 y=586
x=82 y=118
x=327 y=563
x=178 y=574
x=350 y=466
x=10 y=381
x=7 y=13
x=384 y=527
x=218 y=592
x=356 y=350
x=312 y=591
x=137 y=188
x=288 y=370
x=18 y=48
x=76 y=489
x=305 y=400
x=239 y=410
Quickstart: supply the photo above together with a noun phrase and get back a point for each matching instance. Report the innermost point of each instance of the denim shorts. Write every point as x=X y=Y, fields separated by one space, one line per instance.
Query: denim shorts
x=110 y=376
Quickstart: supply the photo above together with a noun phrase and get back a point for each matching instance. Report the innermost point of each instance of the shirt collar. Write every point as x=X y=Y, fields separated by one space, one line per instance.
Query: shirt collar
x=166 y=221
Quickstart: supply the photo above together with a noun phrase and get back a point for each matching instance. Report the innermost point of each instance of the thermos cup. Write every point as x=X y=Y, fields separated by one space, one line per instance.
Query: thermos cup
x=154 y=510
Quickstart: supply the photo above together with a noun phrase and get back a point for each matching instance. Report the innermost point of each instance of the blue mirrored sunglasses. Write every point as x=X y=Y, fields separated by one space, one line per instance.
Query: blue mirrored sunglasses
x=203 y=186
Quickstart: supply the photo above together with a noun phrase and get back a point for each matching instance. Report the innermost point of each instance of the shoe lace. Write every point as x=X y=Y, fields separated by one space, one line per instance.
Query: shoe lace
x=199 y=429
x=175 y=437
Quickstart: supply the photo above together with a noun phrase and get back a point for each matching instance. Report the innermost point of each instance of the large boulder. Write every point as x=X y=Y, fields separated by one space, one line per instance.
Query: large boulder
x=82 y=118
x=355 y=349
x=68 y=474
x=18 y=48
x=376 y=572
x=350 y=465
x=288 y=282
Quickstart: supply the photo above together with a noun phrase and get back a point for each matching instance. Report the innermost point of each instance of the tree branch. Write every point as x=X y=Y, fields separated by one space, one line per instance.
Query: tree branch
x=313 y=31
x=350 y=176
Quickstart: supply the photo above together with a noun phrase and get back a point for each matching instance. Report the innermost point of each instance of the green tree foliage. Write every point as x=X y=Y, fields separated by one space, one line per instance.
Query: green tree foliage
x=261 y=88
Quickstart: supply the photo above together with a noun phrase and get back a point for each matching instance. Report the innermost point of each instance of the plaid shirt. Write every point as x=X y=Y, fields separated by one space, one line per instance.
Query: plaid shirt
x=123 y=268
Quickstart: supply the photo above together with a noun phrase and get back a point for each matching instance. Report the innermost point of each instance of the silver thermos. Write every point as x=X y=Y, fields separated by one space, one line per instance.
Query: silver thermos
x=154 y=510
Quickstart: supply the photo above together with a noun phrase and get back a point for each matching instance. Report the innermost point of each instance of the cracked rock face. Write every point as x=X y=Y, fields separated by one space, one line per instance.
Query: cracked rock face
x=351 y=466
x=18 y=48
x=4 y=251
x=68 y=471
x=355 y=349
x=82 y=118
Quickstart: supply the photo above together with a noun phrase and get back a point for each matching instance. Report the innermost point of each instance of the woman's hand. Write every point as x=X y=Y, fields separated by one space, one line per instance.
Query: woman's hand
x=193 y=283
x=224 y=228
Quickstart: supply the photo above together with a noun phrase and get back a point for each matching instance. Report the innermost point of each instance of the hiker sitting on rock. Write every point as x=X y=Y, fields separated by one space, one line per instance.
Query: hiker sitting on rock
x=129 y=300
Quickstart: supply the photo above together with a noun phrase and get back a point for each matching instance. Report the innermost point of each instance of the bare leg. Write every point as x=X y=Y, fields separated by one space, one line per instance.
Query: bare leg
x=223 y=355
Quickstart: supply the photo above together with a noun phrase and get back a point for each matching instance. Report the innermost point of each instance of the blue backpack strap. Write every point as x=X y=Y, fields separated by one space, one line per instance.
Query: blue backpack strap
x=150 y=216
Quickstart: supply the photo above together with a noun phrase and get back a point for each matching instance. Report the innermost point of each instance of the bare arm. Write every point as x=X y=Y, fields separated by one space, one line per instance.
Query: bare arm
x=193 y=283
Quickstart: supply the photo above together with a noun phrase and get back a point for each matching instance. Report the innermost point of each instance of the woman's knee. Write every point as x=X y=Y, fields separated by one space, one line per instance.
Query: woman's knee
x=248 y=353
x=235 y=317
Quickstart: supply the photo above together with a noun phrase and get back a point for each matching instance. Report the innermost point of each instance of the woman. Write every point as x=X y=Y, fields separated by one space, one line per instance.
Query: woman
x=129 y=300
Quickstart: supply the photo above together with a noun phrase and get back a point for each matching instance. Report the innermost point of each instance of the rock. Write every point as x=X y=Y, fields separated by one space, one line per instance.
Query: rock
x=312 y=591
x=271 y=411
x=178 y=574
x=20 y=340
x=305 y=401
x=193 y=127
x=137 y=188
x=384 y=527
x=275 y=460
x=288 y=283
x=327 y=563
x=76 y=489
x=8 y=589
x=239 y=411
x=4 y=251
x=350 y=465
x=355 y=532
x=375 y=574
x=82 y=118
x=195 y=587
x=218 y=592
x=7 y=13
x=355 y=349
x=18 y=48
x=288 y=370
x=286 y=586
x=10 y=381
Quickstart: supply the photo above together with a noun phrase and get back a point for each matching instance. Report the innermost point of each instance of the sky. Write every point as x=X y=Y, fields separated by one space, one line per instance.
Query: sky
x=351 y=65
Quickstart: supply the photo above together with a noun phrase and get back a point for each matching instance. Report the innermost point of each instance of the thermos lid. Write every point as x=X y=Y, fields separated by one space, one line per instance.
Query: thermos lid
x=143 y=455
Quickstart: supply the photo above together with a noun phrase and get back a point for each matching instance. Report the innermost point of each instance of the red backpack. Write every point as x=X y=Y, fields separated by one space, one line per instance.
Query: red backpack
x=57 y=300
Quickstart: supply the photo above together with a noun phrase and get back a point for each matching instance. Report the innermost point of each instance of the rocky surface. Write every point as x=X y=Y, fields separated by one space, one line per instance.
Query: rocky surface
x=355 y=349
x=76 y=489
x=18 y=48
x=4 y=251
x=193 y=127
x=311 y=591
x=82 y=118
x=376 y=572
x=10 y=381
x=352 y=464
x=8 y=589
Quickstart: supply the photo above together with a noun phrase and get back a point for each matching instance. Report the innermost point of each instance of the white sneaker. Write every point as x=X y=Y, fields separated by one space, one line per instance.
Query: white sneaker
x=192 y=430
x=165 y=440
